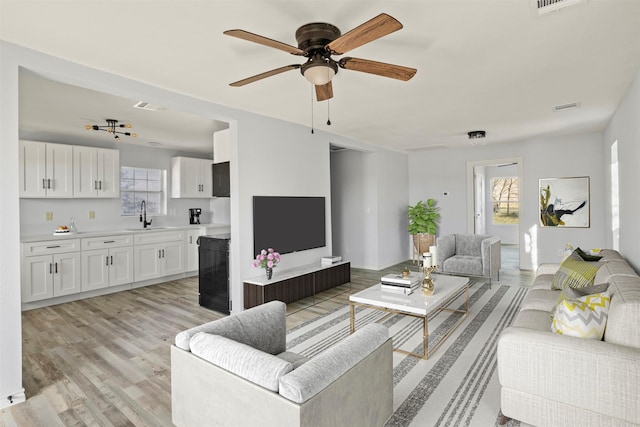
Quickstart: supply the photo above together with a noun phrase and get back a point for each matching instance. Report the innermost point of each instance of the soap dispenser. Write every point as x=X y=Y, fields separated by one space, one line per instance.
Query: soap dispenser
x=72 y=225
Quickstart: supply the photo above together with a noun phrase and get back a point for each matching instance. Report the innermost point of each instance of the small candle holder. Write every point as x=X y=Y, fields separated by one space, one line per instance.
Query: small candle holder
x=427 y=282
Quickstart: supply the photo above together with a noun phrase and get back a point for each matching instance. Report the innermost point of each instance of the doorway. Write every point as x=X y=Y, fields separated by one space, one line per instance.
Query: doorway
x=494 y=196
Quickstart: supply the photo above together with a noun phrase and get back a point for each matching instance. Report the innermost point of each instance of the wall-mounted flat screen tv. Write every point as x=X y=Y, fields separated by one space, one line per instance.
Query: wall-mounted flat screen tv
x=288 y=224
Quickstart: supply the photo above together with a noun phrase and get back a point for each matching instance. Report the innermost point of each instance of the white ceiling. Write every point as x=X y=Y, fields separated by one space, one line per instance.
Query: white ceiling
x=494 y=65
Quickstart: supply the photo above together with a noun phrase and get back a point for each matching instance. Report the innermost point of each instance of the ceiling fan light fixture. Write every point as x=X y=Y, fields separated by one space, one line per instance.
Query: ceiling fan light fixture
x=319 y=70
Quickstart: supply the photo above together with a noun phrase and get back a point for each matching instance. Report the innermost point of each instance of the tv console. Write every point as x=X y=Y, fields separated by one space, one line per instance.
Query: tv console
x=296 y=283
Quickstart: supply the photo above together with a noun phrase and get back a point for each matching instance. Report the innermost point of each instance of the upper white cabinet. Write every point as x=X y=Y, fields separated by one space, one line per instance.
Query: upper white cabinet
x=96 y=172
x=221 y=146
x=46 y=169
x=191 y=178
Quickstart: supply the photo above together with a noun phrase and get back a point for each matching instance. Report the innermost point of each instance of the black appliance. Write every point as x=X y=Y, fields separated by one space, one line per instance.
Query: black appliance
x=221 y=180
x=194 y=215
x=213 y=283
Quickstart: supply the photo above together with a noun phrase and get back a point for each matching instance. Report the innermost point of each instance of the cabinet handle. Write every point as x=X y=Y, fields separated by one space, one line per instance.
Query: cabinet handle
x=106 y=261
x=163 y=253
x=95 y=185
x=49 y=184
x=159 y=253
x=44 y=183
x=110 y=241
x=100 y=185
x=111 y=259
x=56 y=268
x=53 y=247
x=50 y=268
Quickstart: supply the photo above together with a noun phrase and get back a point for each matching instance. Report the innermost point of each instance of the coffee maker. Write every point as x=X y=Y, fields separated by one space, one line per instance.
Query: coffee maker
x=194 y=215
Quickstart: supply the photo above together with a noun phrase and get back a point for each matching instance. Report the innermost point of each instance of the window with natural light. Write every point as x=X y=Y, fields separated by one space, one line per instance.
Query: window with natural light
x=138 y=184
x=615 y=197
x=504 y=193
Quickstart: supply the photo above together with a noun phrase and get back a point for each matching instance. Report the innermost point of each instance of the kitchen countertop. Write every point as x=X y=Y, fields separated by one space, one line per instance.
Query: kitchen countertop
x=217 y=228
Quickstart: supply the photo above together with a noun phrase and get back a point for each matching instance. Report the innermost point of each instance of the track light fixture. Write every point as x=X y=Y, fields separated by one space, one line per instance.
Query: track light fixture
x=111 y=127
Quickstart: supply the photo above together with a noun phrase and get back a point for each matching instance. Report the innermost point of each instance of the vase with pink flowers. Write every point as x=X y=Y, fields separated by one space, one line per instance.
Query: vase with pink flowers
x=267 y=259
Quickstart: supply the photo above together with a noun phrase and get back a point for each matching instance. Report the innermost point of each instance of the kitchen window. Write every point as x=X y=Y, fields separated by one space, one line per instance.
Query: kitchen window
x=138 y=184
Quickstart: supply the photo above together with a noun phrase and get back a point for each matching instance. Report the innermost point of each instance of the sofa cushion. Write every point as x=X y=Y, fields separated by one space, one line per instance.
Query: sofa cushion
x=538 y=320
x=624 y=313
x=323 y=369
x=464 y=264
x=585 y=317
x=254 y=365
x=575 y=272
x=540 y=299
x=262 y=327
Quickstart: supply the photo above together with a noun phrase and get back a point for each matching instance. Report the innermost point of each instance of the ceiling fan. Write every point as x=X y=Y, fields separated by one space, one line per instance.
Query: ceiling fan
x=318 y=41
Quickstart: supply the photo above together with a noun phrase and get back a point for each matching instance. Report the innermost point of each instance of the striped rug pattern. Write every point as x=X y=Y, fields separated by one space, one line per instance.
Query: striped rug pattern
x=458 y=384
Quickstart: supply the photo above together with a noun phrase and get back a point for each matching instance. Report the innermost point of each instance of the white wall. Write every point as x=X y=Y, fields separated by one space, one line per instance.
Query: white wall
x=369 y=197
x=107 y=211
x=544 y=157
x=625 y=128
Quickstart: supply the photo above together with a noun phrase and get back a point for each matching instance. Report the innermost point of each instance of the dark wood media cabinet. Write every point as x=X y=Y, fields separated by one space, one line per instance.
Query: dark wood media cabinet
x=295 y=284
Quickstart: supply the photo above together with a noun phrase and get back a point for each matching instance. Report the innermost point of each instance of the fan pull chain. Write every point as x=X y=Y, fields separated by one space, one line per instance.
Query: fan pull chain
x=312 y=87
x=328 y=114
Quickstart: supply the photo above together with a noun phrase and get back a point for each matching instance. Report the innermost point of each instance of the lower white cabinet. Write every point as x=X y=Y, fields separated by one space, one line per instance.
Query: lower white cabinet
x=49 y=276
x=158 y=254
x=102 y=268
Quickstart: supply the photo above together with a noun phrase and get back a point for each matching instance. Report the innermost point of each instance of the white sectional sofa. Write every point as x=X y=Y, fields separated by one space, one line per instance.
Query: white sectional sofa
x=549 y=379
x=236 y=372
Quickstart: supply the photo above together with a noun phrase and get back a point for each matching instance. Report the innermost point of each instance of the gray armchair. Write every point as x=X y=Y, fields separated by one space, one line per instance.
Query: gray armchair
x=469 y=255
x=236 y=371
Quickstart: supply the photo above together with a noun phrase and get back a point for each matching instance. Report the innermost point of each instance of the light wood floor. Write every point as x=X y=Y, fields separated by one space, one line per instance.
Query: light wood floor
x=105 y=361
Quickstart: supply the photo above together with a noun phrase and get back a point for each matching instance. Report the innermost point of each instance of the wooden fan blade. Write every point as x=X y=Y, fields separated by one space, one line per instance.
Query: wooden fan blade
x=245 y=35
x=379 y=68
x=324 y=92
x=371 y=30
x=264 y=75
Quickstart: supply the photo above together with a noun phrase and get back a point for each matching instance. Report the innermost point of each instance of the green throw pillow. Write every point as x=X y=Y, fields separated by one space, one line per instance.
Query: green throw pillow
x=575 y=273
x=588 y=257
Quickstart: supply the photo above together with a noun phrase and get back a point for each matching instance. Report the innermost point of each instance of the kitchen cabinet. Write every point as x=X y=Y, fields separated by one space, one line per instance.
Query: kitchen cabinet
x=46 y=170
x=96 y=172
x=107 y=261
x=191 y=245
x=50 y=269
x=158 y=254
x=191 y=178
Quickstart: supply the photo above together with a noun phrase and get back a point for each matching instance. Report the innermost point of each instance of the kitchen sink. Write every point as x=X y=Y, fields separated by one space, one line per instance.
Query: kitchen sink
x=148 y=229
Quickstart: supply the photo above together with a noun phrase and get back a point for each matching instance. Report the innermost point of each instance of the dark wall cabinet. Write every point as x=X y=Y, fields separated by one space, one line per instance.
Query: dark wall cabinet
x=221 y=180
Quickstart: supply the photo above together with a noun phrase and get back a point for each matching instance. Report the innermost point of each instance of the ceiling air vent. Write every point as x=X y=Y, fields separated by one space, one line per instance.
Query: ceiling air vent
x=143 y=105
x=565 y=107
x=548 y=6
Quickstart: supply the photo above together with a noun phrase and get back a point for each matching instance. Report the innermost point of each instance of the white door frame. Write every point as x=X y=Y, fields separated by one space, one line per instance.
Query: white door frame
x=471 y=197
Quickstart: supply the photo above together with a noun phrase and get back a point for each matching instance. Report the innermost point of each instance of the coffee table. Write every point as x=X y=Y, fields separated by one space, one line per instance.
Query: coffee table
x=447 y=290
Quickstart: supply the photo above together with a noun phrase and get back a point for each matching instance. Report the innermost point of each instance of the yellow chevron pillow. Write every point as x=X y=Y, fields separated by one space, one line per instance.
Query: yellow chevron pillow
x=585 y=317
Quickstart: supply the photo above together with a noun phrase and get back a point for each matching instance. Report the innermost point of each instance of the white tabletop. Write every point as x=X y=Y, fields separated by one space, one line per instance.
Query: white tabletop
x=416 y=303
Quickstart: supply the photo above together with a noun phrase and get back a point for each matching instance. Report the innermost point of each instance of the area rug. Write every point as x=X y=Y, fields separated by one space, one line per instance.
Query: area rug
x=458 y=384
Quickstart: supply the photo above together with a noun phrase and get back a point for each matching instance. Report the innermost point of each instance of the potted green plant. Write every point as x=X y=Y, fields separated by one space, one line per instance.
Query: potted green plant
x=423 y=224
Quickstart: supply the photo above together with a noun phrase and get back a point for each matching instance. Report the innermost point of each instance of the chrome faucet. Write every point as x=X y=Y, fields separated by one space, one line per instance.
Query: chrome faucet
x=143 y=214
